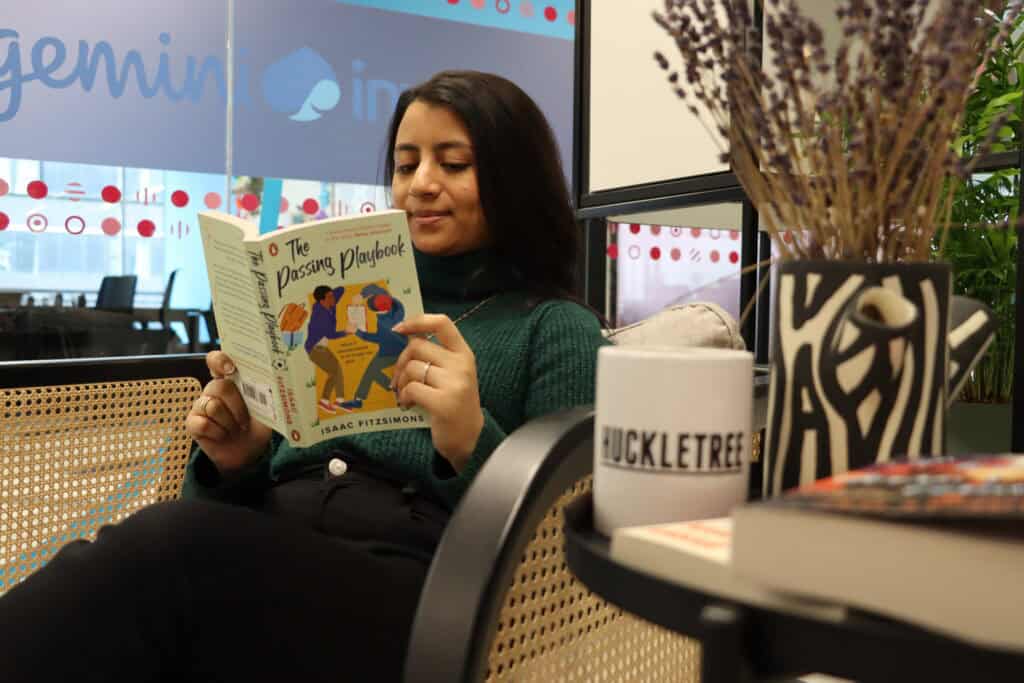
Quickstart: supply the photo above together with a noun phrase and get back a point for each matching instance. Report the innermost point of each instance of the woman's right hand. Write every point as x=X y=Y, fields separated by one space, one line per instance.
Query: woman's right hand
x=220 y=422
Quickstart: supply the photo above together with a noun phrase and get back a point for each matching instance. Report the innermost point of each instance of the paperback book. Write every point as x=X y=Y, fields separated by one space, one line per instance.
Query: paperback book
x=698 y=554
x=935 y=542
x=306 y=313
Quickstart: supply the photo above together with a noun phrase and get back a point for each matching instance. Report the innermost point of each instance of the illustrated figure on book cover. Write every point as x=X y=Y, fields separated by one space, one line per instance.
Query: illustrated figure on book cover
x=323 y=326
x=390 y=312
x=340 y=342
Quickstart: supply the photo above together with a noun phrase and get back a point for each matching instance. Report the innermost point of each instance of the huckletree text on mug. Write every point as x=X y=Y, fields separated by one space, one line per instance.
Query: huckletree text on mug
x=671 y=452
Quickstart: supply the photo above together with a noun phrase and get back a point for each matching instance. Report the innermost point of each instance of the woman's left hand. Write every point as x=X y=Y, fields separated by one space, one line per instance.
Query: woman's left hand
x=441 y=379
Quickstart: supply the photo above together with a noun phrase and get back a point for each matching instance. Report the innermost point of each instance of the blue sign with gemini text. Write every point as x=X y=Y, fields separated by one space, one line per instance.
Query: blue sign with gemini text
x=315 y=83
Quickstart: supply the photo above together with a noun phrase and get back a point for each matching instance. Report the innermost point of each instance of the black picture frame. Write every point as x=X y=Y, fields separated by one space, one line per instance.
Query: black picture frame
x=643 y=197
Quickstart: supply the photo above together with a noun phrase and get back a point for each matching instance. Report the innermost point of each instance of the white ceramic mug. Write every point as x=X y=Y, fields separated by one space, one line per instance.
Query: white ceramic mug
x=672 y=434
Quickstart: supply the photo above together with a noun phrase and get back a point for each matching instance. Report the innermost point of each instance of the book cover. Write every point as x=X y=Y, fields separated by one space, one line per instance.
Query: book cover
x=307 y=314
x=974 y=487
x=934 y=542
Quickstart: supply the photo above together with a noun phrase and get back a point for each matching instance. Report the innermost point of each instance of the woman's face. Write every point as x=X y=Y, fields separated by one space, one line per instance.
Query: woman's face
x=435 y=181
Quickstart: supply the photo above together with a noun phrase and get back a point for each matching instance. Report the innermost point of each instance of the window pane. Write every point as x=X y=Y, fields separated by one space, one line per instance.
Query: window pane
x=655 y=265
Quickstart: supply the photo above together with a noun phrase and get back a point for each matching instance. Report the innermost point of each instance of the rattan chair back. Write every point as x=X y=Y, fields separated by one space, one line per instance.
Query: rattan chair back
x=78 y=456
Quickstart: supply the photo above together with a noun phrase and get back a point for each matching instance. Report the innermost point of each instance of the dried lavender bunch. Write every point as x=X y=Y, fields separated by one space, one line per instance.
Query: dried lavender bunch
x=851 y=149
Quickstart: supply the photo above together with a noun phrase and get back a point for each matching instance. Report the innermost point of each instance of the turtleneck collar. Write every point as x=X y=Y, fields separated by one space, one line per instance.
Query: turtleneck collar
x=472 y=275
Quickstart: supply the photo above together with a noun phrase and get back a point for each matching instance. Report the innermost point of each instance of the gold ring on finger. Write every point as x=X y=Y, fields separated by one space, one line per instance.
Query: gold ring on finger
x=201 y=403
x=426 y=369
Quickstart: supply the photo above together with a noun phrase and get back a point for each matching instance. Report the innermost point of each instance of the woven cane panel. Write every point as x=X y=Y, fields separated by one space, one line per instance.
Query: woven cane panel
x=551 y=628
x=75 y=457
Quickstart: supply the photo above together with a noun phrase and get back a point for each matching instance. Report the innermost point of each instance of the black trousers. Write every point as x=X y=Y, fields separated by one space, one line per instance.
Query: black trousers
x=200 y=591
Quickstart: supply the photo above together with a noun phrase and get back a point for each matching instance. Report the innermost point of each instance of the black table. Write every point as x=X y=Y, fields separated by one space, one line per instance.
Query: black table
x=743 y=642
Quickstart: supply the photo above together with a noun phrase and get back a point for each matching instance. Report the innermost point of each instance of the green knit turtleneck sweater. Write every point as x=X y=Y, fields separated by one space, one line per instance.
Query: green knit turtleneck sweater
x=530 y=361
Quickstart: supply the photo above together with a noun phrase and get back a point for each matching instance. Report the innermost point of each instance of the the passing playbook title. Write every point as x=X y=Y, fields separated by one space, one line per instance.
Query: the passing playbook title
x=302 y=265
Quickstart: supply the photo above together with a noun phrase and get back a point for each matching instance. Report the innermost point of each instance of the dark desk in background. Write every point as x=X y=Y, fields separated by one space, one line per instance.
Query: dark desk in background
x=188 y=317
x=41 y=332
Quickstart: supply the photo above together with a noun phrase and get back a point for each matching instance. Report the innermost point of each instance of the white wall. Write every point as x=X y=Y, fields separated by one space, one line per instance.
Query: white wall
x=640 y=132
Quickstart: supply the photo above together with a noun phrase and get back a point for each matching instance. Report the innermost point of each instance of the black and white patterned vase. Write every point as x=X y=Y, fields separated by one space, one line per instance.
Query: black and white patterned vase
x=865 y=359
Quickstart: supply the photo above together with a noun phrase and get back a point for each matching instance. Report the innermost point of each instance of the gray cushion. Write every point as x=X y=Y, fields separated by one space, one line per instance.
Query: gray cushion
x=694 y=324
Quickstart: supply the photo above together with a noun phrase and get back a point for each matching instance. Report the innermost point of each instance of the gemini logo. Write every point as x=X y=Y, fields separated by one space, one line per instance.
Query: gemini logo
x=301 y=85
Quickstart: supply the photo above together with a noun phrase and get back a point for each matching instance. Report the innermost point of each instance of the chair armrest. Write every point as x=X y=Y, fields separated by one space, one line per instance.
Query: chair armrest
x=457 y=614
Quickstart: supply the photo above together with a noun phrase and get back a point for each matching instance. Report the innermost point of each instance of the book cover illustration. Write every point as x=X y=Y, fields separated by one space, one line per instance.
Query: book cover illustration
x=340 y=291
x=952 y=487
x=346 y=336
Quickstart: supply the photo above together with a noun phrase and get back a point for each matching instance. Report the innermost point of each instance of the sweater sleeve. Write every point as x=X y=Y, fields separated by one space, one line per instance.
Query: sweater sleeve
x=560 y=374
x=563 y=359
x=204 y=481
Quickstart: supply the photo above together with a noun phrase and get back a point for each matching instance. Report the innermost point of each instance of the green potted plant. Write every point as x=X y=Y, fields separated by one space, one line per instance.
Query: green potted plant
x=984 y=259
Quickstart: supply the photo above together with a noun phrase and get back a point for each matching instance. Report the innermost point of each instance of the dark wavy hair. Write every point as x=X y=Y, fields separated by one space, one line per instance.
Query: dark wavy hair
x=522 y=187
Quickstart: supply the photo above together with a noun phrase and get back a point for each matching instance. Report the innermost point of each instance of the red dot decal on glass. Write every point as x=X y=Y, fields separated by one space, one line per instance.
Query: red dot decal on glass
x=715 y=256
x=37 y=189
x=179 y=198
x=675 y=254
x=146 y=227
x=525 y=7
x=613 y=251
x=655 y=229
x=4 y=221
x=111 y=226
x=734 y=234
x=655 y=253
x=550 y=13
x=479 y=4
x=734 y=257
x=310 y=206
x=634 y=228
x=695 y=232
x=570 y=17
x=453 y=2
x=111 y=194
x=250 y=202
x=212 y=200
x=4 y=187
x=284 y=205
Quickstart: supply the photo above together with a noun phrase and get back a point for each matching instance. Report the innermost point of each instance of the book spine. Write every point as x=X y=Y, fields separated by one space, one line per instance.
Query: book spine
x=287 y=419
